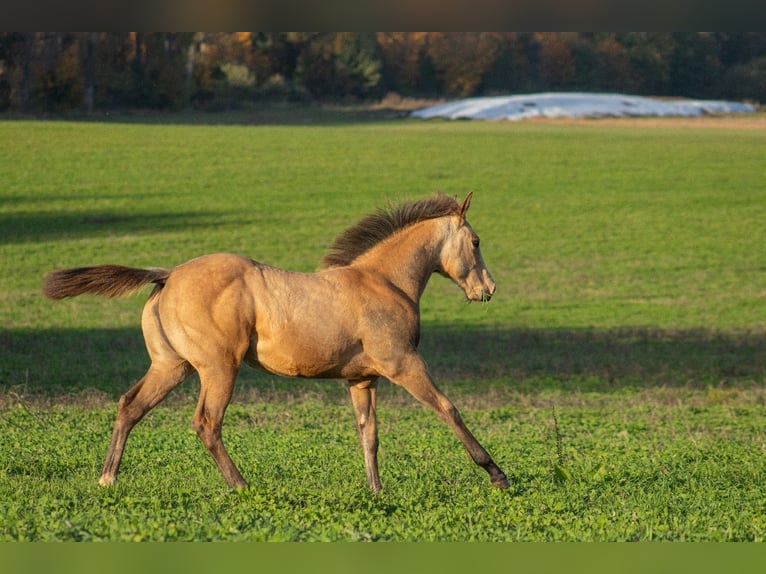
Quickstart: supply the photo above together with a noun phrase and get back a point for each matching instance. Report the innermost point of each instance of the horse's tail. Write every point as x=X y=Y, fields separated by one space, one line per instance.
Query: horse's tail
x=107 y=280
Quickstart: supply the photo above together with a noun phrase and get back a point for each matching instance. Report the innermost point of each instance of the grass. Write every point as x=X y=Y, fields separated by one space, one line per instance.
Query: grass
x=633 y=472
x=631 y=299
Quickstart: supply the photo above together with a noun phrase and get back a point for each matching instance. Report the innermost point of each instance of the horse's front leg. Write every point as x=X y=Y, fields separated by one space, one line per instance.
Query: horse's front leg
x=413 y=375
x=363 y=395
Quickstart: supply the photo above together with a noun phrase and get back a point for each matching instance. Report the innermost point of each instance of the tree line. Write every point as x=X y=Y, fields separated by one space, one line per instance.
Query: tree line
x=88 y=71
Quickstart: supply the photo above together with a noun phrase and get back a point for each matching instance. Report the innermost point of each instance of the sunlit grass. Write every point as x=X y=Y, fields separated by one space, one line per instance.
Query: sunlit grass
x=637 y=472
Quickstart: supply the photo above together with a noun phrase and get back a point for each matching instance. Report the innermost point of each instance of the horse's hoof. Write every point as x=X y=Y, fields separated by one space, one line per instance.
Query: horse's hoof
x=501 y=482
x=106 y=481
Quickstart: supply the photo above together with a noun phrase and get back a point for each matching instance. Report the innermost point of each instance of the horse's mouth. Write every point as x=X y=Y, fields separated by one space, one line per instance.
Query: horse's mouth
x=482 y=297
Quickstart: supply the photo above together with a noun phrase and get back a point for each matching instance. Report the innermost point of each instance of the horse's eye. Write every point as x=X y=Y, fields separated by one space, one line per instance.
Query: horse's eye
x=475 y=242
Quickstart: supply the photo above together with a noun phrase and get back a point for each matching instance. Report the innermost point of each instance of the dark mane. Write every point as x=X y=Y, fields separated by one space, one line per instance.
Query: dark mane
x=382 y=224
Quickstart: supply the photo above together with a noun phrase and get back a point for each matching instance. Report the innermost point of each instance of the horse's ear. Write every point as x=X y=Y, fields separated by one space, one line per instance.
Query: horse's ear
x=466 y=204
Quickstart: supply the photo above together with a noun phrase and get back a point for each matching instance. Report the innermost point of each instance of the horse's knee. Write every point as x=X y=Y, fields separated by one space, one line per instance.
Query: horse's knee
x=448 y=411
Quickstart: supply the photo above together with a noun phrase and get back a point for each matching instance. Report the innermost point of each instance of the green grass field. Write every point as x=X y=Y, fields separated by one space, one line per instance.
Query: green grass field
x=618 y=375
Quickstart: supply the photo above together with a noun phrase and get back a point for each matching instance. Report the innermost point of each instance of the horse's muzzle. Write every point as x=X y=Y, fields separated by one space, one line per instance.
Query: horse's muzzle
x=489 y=286
x=483 y=294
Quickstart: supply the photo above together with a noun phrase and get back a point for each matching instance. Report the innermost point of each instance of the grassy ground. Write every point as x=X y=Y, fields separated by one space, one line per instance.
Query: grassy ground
x=631 y=304
x=630 y=470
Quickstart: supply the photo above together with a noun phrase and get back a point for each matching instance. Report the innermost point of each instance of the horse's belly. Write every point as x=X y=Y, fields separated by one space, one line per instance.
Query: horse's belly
x=296 y=358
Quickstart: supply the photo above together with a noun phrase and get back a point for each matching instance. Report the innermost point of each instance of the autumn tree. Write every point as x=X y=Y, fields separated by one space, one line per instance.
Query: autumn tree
x=60 y=71
x=463 y=58
x=614 y=64
x=557 y=65
x=402 y=56
x=340 y=64
x=510 y=70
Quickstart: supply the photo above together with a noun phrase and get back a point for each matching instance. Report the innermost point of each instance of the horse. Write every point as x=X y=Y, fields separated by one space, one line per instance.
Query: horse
x=357 y=318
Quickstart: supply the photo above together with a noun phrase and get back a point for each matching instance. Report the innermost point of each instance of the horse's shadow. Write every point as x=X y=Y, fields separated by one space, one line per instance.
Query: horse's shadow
x=55 y=362
x=604 y=359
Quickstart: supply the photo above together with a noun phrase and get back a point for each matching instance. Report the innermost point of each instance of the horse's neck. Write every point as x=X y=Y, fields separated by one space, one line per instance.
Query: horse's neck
x=409 y=257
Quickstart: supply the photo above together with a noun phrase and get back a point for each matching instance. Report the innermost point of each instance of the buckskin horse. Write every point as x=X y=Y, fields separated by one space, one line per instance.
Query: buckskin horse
x=357 y=318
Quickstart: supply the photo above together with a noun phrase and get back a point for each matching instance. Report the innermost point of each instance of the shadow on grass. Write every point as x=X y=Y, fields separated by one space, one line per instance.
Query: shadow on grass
x=597 y=359
x=30 y=227
x=65 y=362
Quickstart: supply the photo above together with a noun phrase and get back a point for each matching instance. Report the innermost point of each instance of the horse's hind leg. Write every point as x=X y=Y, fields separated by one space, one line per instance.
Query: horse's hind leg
x=133 y=405
x=363 y=394
x=216 y=387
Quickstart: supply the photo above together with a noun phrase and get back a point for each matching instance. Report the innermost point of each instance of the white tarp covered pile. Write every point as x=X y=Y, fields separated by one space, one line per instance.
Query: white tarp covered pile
x=572 y=104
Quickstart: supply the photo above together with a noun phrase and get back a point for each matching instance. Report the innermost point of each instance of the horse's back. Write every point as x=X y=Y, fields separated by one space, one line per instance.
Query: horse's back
x=221 y=265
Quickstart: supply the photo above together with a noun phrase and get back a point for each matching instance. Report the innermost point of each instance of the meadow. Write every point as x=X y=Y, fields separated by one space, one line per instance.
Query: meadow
x=618 y=376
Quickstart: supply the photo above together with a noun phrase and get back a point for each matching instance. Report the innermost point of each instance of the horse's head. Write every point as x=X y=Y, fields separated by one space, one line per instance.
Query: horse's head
x=461 y=258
